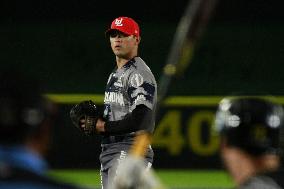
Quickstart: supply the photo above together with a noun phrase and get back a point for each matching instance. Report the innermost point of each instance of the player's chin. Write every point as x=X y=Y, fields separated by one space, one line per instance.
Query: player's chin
x=117 y=52
x=120 y=54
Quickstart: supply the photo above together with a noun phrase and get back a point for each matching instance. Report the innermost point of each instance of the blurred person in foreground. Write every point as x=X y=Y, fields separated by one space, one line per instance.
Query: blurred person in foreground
x=26 y=118
x=251 y=130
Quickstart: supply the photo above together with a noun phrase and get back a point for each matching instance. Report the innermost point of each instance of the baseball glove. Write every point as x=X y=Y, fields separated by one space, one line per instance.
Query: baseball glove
x=84 y=116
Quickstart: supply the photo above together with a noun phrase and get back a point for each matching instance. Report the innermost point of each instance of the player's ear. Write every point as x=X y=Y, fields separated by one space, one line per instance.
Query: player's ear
x=138 y=39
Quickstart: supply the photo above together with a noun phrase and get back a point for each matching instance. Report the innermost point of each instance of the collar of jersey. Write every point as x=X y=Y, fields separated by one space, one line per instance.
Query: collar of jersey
x=129 y=63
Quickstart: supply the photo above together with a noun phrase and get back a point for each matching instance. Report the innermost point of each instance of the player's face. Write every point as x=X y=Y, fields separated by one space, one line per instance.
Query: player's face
x=123 y=46
x=234 y=161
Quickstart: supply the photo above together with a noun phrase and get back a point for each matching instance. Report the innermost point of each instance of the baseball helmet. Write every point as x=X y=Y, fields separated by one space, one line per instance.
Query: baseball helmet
x=250 y=123
x=23 y=109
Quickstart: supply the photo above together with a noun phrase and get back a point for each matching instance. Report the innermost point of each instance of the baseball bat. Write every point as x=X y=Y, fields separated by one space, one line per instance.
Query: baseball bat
x=141 y=142
x=188 y=32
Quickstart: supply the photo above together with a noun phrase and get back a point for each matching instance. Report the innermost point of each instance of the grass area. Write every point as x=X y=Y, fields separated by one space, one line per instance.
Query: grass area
x=78 y=176
x=194 y=178
x=171 y=178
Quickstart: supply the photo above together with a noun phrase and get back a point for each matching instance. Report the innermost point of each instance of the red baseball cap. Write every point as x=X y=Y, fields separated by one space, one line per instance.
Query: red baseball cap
x=125 y=25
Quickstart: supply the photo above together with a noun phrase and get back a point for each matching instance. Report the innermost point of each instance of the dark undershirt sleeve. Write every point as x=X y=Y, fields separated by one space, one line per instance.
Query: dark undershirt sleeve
x=139 y=119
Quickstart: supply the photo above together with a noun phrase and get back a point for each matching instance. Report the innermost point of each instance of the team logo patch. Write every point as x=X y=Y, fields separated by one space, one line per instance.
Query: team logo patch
x=136 y=80
x=139 y=98
x=118 y=22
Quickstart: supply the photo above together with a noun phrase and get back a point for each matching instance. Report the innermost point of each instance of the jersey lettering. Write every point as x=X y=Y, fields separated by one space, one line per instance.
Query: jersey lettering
x=113 y=97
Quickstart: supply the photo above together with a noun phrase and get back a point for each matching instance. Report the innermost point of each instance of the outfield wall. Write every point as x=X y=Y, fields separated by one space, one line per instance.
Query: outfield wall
x=183 y=137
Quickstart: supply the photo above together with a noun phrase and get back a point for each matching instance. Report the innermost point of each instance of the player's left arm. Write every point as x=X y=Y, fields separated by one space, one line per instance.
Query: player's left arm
x=131 y=122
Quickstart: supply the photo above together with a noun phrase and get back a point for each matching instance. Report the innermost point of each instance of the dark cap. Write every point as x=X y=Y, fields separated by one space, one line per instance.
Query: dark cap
x=22 y=106
x=252 y=124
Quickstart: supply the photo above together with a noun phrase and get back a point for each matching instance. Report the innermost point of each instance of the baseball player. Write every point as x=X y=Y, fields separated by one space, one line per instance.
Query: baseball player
x=129 y=103
x=251 y=131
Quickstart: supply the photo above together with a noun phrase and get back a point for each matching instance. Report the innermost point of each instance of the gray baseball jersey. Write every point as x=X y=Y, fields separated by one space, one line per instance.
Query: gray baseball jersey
x=127 y=87
x=269 y=180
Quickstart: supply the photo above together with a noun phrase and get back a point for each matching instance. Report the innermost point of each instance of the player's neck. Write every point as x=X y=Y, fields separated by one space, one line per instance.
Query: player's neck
x=122 y=61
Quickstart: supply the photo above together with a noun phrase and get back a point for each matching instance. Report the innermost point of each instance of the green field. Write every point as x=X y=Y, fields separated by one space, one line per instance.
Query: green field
x=198 y=179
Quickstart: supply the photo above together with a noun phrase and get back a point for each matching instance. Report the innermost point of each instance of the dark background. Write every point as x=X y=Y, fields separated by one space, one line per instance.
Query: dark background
x=32 y=11
x=63 y=43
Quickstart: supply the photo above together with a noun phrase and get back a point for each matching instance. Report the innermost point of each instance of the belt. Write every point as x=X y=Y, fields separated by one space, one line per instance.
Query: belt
x=115 y=139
